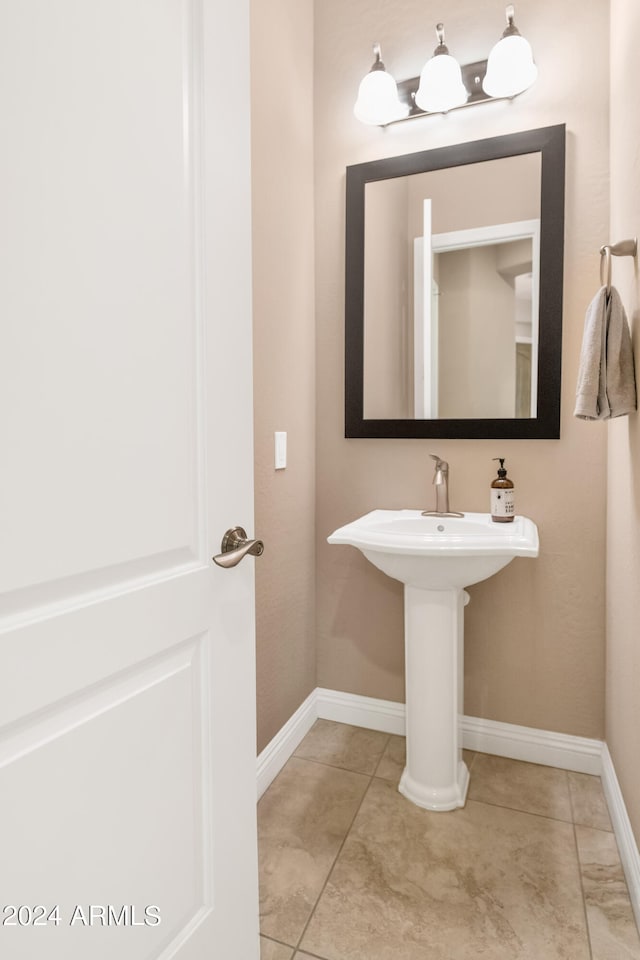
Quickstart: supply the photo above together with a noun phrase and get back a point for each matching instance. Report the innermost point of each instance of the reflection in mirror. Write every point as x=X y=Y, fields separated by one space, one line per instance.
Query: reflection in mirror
x=449 y=261
x=454 y=290
x=476 y=336
x=484 y=342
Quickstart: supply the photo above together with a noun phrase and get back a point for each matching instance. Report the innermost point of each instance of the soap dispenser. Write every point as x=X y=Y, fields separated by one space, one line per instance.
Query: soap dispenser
x=502 y=496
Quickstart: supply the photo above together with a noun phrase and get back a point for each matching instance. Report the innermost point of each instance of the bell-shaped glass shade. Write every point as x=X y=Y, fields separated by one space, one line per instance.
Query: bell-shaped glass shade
x=441 y=87
x=510 y=68
x=378 y=101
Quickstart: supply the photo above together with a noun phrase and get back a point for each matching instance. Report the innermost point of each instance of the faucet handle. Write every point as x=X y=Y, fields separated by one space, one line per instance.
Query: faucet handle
x=440 y=463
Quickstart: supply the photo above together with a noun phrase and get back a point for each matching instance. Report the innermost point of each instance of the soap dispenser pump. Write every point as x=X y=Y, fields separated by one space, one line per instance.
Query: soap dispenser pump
x=502 y=496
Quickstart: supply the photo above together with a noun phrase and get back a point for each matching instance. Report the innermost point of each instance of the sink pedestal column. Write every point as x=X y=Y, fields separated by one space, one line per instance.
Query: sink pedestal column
x=435 y=776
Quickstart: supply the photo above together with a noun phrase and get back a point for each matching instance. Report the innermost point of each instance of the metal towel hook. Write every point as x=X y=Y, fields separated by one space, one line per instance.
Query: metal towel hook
x=625 y=248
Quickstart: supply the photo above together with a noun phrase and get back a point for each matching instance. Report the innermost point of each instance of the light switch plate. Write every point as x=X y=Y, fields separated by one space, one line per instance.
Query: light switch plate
x=281 y=450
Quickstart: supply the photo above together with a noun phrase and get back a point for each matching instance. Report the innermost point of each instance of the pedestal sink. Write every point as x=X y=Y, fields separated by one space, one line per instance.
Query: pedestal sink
x=436 y=558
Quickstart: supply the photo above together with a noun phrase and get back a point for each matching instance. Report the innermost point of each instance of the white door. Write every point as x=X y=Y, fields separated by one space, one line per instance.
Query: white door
x=127 y=692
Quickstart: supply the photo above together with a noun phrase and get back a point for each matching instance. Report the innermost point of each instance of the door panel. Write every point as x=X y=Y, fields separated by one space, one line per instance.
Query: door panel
x=102 y=233
x=127 y=681
x=139 y=738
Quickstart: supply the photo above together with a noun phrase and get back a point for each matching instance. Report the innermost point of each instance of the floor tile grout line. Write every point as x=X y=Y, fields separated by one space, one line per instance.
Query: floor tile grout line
x=473 y=760
x=281 y=943
x=335 y=766
x=316 y=956
x=332 y=868
x=584 y=899
x=579 y=864
x=384 y=750
x=529 y=813
x=571 y=804
x=580 y=823
x=544 y=816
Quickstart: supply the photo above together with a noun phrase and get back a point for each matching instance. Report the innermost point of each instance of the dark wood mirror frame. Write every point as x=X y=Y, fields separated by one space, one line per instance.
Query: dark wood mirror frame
x=550 y=143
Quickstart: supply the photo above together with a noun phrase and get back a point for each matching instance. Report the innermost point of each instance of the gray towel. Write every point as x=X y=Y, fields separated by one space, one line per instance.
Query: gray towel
x=606 y=378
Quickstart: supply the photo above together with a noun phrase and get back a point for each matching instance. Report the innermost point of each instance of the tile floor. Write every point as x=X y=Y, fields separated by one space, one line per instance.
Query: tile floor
x=351 y=870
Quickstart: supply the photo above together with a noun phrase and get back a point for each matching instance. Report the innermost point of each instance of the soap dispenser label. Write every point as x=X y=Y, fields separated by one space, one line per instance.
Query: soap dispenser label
x=502 y=503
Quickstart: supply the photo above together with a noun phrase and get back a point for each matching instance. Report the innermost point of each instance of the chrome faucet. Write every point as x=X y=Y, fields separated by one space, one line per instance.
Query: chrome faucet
x=441 y=483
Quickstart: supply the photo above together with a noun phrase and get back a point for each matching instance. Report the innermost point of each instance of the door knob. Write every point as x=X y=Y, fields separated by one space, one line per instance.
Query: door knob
x=235 y=546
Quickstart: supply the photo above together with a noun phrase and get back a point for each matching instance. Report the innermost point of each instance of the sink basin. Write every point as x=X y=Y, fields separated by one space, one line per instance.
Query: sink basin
x=435 y=558
x=438 y=553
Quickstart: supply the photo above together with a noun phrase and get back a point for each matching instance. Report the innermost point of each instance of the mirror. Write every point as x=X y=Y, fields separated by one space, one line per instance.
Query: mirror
x=454 y=290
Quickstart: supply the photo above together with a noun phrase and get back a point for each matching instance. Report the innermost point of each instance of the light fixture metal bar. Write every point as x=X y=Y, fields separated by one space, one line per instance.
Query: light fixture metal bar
x=472 y=77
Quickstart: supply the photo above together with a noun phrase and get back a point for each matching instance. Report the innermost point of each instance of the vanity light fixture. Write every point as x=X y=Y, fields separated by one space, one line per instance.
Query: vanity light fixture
x=444 y=85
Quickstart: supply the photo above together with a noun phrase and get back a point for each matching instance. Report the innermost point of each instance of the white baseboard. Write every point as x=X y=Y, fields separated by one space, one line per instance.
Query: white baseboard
x=486 y=736
x=277 y=752
x=384 y=715
x=627 y=845
x=535 y=746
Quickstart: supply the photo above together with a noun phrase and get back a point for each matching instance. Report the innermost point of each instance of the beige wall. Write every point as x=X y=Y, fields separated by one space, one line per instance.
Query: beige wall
x=284 y=354
x=535 y=632
x=623 y=518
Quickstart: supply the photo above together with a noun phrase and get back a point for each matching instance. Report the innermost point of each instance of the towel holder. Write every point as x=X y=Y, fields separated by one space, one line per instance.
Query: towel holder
x=626 y=248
